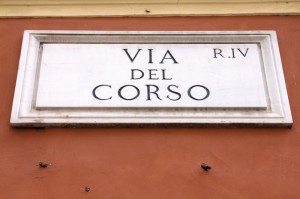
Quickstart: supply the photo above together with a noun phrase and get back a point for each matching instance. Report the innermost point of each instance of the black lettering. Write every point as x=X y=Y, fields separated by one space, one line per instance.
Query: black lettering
x=94 y=92
x=170 y=57
x=128 y=55
x=152 y=92
x=150 y=56
x=152 y=74
x=174 y=92
x=191 y=96
x=121 y=89
x=218 y=53
x=243 y=53
x=232 y=50
x=164 y=75
x=133 y=72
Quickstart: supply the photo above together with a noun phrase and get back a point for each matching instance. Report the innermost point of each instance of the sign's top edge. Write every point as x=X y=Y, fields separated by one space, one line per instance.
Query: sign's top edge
x=237 y=32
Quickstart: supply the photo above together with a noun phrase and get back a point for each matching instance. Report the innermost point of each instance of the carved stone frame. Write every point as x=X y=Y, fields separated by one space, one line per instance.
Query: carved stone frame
x=24 y=112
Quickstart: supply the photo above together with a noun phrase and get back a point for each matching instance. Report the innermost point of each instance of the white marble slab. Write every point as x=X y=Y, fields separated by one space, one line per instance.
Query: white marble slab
x=108 y=78
x=69 y=73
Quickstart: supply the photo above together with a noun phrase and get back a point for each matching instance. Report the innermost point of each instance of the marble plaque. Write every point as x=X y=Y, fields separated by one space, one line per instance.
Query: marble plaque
x=126 y=78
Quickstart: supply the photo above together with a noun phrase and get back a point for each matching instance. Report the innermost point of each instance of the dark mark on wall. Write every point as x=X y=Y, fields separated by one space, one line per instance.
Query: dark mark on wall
x=205 y=167
x=87 y=189
x=43 y=165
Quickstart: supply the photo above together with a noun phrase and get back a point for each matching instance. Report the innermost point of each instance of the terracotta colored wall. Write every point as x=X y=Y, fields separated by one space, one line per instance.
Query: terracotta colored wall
x=160 y=163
